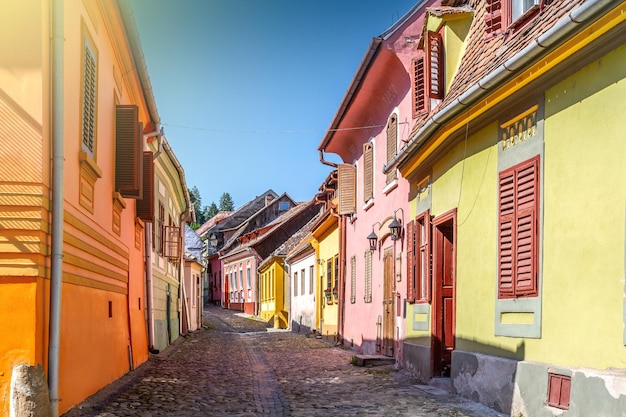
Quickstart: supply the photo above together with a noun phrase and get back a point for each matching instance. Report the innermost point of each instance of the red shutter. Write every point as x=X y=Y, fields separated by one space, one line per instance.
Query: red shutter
x=128 y=152
x=436 y=64
x=419 y=89
x=518 y=230
x=427 y=256
x=527 y=185
x=493 y=17
x=410 y=262
x=505 y=237
x=145 y=206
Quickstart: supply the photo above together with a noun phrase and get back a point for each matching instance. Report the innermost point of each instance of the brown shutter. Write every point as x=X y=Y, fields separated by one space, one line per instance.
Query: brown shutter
x=518 y=230
x=410 y=262
x=436 y=64
x=145 y=206
x=368 y=172
x=493 y=17
x=526 y=229
x=505 y=235
x=425 y=247
x=347 y=188
x=419 y=93
x=128 y=152
x=392 y=145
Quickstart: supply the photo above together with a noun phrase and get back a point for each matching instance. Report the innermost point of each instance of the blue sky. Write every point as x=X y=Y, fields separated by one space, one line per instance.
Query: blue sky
x=247 y=88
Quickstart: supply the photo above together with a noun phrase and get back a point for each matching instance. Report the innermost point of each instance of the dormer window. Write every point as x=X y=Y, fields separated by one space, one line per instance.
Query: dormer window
x=428 y=74
x=505 y=15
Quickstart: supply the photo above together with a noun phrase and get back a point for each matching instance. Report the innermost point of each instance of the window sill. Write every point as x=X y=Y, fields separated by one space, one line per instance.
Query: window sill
x=390 y=187
x=369 y=204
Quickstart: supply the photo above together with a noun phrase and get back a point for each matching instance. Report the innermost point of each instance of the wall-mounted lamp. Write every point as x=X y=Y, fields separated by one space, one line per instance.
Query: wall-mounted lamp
x=395 y=227
x=213 y=240
x=373 y=238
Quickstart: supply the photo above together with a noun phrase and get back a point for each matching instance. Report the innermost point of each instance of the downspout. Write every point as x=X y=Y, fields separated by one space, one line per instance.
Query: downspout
x=325 y=162
x=56 y=260
x=149 y=295
x=573 y=22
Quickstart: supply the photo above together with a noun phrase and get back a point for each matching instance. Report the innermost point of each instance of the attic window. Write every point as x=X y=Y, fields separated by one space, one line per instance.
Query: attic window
x=283 y=206
x=504 y=15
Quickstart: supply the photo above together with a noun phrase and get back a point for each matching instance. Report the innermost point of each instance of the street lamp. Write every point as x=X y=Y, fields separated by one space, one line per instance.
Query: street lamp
x=395 y=227
x=373 y=238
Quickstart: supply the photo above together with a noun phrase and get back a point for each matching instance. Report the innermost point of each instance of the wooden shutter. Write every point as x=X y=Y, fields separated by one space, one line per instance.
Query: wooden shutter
x=128 y=152
x=527 y=184
x=392 y=145
x=423 y=257
x=145 y=206
x=435 y=64
x=518 y=230
x=419 y=88
x=368 y=171
x=172 y=243
x=410 y=262
x=347 y=188
x=493 y=17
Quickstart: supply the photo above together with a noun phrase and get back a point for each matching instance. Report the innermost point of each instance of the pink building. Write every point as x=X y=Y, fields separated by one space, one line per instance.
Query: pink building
x=371 y=125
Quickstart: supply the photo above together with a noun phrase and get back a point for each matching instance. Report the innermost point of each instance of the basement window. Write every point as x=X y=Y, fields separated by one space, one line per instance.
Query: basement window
x=559 y=387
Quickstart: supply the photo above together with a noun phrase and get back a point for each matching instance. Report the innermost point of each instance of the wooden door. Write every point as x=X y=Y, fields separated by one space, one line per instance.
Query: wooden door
x=388 y=304
x=443 y=295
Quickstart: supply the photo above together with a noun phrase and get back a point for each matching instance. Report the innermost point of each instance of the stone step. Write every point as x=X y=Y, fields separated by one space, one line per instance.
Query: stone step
x=372 y=360
x=441 y=383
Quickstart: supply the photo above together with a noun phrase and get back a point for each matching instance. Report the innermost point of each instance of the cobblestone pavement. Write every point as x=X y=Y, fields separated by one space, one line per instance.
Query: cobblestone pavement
x=236 y=366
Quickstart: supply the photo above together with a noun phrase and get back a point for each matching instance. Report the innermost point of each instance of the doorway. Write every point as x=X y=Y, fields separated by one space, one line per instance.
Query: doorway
x=388 y=304
x=444 y=277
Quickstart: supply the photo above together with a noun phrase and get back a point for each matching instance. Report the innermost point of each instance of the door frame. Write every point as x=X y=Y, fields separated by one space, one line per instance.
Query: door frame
x=437 y=305
x=389 y=311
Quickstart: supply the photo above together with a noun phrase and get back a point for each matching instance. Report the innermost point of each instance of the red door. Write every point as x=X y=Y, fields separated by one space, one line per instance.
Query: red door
x=443 y=294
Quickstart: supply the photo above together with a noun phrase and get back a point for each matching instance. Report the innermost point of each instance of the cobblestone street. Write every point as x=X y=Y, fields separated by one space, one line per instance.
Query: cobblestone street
x=238 y=367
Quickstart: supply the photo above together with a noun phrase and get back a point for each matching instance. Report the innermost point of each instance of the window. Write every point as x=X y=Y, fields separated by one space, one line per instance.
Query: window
x=392 y=145
x=173 y=242
x=145 y=207
x=504 y=14
x=89 y=97
x=128 y=152
x=368 y=171
x=559 y=387
x=295 y=283
x=434 y=45
x=368 y=277
x=518 y=230
x=249 y=277
x=418 y=259
x=353 y=279
x=311 y=275
x=160 y=229
x=302 y=278
x=283 y=206
x=419 y=86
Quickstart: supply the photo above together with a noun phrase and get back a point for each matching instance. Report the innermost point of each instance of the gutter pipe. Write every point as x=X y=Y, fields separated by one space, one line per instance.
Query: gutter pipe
x=149 y=294
x=566 y=27
x=56 y=261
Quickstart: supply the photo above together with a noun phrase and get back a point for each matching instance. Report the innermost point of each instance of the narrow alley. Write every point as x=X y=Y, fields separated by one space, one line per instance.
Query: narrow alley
x=236 y=366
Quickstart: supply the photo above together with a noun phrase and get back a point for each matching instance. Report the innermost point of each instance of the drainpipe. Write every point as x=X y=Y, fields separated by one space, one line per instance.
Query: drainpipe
x=325 y=162
x=571 y=24
x=56 y=261
x=149 y=296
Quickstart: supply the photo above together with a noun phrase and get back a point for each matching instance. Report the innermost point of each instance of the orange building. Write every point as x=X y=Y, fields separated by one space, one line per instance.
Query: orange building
x=75 y=112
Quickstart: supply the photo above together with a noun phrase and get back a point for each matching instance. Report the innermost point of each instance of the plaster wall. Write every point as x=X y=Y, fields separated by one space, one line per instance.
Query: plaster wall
x=303 y=305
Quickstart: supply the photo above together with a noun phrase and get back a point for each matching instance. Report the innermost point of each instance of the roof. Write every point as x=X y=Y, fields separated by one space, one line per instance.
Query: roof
x=219 y=217
x=193 y=243
x=298 y=240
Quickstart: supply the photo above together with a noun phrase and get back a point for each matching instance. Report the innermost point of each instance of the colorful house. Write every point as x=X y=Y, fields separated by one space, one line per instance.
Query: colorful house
x=218 y=233
x=192 y=288
x=212 y=276
x=275 y=274
x=325 y=242
x=518 y=140
x=301 y=265
x=166 y=271
x=75 y=107
x=371 y=124
x=238 y=258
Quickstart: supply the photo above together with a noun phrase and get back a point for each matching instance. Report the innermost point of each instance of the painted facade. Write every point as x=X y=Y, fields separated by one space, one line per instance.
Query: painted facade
x=522 y=303
x=171 y=205
x=69 y=222
x=372 y=285
x=212 y=275
x=192 y=289
x=301 y=261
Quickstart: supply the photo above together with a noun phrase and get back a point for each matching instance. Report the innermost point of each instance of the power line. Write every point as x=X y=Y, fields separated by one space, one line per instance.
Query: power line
x=270 y=132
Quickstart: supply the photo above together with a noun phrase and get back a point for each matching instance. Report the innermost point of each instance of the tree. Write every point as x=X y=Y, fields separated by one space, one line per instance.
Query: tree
x=211 y=210
x=226 y=203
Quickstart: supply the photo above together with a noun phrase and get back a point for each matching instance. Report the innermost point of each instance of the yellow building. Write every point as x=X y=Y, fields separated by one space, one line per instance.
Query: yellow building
x=325 y=240
x=272 y=285
x=75 y=108
x=518 y=172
